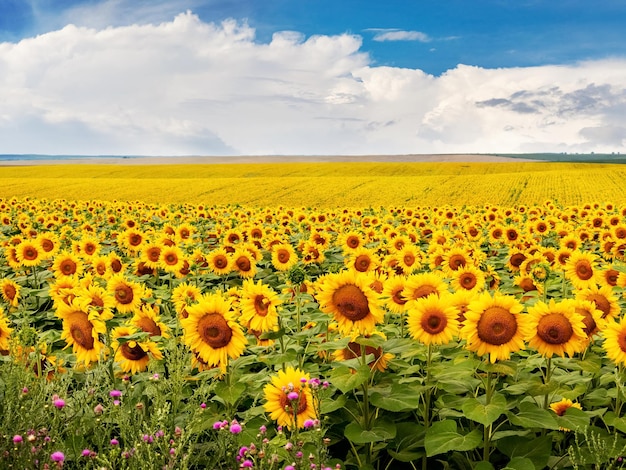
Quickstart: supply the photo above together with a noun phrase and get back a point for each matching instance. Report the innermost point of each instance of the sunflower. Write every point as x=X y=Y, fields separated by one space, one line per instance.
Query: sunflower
x=592 y=317
x=96 y=298
x=5 y=333
x=81 y=330
x=10 y=292
x=151 y=254
x=126 y=293
x=353 y=303
x=258 y=304
x=608 y=277
x=67 y=264
x=380 y=359
x=409 y=259
x=146 y=318
x=560 y=407
x=432 y=319
x=49 y=243
x=244 y=263
x=556 y=328
x=133 y=356
x=422 y=285
x=171 y=259
x=288 y=396
x=284 y=256
x=211 y=331
x=581 y=269
x=183 y=296
x=454 y=259
x=392 y=294
x=88 y=247
x=461 y=300
x=494 y=325
x=351 y=240
x=132 y=239
x=362 y=260
x=10 y=254
x=614 y=343
x=29 y=253
x=603 y=298
x=63 y=290
x=515 y=259
x=468 y=278
x=312 y=253
x=220 y=262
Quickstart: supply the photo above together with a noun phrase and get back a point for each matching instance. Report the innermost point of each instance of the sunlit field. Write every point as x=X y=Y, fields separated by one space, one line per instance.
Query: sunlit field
x=323 y=185
x=313 y=316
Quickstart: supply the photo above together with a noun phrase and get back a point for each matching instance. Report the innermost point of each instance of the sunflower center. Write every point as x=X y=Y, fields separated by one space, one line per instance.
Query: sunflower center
x=352 y=241
x=584 y=270
x=116 y=265
x=496 y=326
x=409 y=259
x=133 y=353
x=243 y=263
x=47 y=245
x=171 y=259
x=135 y=240
x=351 y=302
x=149 y=325
x=80 y=329
x=68 y=267
x=30 y=253
x=396 y=296
x=286 y=404
x=602 y=304
x=555 y=328
x=261 y=305
x=153 y=254
x=124 y=294
x=90 y=248
x=220 y=262
x=362 y=263
x=468 y=281
x=10 y=291
x=214 y=330
x=590 y=323
x=611 y=276
x=282 y=255
x=423 y=291
x=456 y=261
x=434 y=322
x=621 y=341
x=517 y=259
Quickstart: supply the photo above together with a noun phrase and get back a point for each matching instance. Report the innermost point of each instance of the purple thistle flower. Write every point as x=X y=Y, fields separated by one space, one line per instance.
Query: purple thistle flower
x=59 y=403
x=57 y=456
x=292 y=396
x=115 y=393
x=17 y=439
x=114 y=442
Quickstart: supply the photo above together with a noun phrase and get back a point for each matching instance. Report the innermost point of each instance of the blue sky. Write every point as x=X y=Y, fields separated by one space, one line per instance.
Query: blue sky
x=398 y=76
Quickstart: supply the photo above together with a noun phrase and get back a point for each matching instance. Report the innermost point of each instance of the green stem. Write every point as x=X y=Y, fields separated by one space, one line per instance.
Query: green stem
x=487 y=429
x=427 y=397
x=547 y=377
x=618 y=389
x=367 y=417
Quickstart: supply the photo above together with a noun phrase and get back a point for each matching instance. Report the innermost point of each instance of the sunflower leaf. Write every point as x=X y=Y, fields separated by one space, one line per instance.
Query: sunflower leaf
x=382 y=430
x=347 y=379
x=485 y=414
x=573 y=419
x=398 y=398
x=443 y=437
x=531 y=416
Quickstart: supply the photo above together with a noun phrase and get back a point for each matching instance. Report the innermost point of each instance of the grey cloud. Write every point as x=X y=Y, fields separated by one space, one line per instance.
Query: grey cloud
x=613 y=135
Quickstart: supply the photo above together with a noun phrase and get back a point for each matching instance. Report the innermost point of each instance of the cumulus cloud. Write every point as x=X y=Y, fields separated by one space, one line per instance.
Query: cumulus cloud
x=398 y=35
x=189 y=87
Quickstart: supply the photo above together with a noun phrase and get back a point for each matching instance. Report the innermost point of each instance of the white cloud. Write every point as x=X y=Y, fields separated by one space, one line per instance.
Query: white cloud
x=397 y=35
x=189 y=87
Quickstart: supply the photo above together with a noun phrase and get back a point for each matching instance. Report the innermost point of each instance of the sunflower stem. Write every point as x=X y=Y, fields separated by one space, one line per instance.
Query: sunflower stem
x=367 y=417
x=427 y=397
x=618 y=390
x=487 y=429
x=547 y=377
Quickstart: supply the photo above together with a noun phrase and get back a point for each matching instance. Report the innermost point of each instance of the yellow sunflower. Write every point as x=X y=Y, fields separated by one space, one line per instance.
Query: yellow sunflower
x=351 y=240
x=258 y=304
x=284 y=256
x=353 y=303
x=468 y=277
x=146 y=318
x=422 y=285
x=432 y=319
x=5 y=333
x=392 y=294
x=614 y=343
x=220 y=262
x=171 y=259
x=10 y=292
x=556 y=328
x=604 y=299
x=151 y=254
x=288 y=396
x=211 y=331
x=133 y=356
x=362 y=260
x=560 y=407
x=126 y=293
x=29 y=253
x=581 y=269
x=96 y=298
x=409 y=259
x=67 y=264
x=82 y=330
x=244 y=263
x=494 y=325
x=183 y=296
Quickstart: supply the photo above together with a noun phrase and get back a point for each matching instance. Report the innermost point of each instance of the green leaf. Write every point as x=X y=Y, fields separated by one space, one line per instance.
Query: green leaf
x=329 y=405
x=537 y=450
x=398 y=398
x=230 y=393
x=347 y=379
x=530 y=415
x=520 y=463
x=273 y=334
x=573 y=419
x=485 y=414
x=382 y=430
x=443 y=437
x=408 y=445
x=483 y=466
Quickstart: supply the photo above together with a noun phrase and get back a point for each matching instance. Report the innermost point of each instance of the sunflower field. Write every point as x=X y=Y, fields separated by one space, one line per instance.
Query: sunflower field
x=168 y=335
